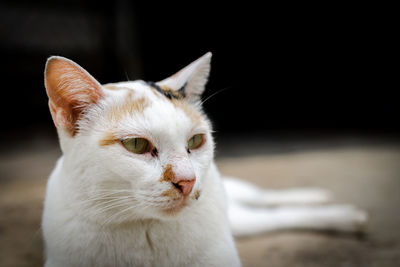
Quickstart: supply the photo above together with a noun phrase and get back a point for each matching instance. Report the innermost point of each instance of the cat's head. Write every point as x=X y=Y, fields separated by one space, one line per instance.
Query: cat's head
x=131 y=149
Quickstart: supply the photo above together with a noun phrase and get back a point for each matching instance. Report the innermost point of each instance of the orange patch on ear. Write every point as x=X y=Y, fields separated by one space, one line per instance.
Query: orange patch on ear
x=70 y=89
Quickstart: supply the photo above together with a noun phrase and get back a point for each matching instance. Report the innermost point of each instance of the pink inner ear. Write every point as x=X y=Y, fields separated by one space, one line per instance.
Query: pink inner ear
x=70 y=89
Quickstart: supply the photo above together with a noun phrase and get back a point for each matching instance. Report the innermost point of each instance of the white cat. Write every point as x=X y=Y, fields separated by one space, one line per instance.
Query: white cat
x=137 y=184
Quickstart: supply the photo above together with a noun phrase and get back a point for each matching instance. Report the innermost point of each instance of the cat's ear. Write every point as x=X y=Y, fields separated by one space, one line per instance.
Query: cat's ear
x=190 y=81
x=71 y=90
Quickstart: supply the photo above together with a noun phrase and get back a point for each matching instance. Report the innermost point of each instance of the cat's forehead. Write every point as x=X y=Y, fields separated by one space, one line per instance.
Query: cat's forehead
x=129 y=99
x=144 y=89
x=129 y=87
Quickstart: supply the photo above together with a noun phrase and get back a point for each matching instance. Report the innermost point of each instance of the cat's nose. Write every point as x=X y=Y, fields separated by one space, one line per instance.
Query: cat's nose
x=184 y=185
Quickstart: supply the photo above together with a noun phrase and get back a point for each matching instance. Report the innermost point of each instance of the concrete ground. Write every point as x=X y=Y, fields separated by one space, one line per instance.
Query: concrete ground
x=361 y=171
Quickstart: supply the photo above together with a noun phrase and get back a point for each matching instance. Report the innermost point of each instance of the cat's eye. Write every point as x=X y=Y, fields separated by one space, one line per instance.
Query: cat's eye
x=195 y=142
x=136 y=145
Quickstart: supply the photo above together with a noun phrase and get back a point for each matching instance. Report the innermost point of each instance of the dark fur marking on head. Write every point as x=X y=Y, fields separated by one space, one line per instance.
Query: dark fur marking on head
x=182 y=90
x=169 y=93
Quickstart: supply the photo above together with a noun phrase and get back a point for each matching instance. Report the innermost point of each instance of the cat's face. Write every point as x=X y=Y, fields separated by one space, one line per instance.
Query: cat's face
x=142 y=149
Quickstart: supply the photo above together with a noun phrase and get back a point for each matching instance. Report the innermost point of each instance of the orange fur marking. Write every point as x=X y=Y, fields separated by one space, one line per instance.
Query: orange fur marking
x=129 y=107
x=172 y=92
x=193 y=114
x=108 y=139
x=168 y=174
x=113 y=87
x=166 y=88
x=171 y=193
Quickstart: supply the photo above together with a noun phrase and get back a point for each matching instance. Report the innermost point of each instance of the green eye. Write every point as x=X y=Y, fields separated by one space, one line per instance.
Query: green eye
x=195 y=142
x=136 y=145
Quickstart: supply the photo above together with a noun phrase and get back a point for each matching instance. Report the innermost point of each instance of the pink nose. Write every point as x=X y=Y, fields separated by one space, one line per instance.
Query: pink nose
x=184 y=185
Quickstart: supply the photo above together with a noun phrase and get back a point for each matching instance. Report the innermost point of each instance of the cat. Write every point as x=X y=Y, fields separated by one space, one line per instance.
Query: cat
x=137 y=184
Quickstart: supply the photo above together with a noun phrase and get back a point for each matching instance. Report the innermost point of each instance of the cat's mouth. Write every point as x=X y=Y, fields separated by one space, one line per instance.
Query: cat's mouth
x=179 y=201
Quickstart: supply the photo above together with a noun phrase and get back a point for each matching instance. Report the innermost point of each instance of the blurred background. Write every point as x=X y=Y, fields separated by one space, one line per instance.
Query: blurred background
x=291 y=85
x=281 y=67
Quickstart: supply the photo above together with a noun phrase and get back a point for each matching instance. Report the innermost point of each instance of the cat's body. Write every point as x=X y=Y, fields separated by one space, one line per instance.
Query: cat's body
x=137 y=184
x=199 y=238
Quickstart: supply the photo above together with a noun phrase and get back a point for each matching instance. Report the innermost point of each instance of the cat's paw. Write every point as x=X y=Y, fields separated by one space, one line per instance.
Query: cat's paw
x=360 y=220
x=347 y=218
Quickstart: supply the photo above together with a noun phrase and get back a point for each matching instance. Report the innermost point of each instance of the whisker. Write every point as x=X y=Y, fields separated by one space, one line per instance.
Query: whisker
x=127 y=77
x=112 y=206
x=116 y=215
x=99 y=199
x=217 y=92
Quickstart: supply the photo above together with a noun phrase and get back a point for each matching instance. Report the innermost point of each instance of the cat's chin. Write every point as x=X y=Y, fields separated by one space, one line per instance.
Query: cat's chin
x=176 y=207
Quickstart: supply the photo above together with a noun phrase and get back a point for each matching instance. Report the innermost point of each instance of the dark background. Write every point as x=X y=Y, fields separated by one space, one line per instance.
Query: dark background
x=281 y=68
